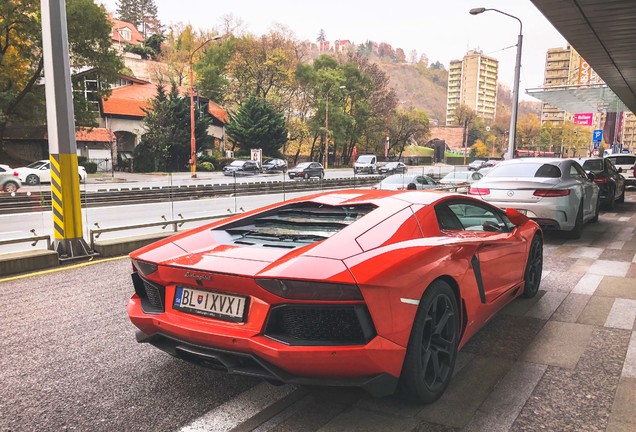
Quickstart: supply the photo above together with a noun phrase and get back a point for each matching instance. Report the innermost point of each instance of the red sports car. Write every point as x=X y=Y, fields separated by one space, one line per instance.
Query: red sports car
x=377 y=289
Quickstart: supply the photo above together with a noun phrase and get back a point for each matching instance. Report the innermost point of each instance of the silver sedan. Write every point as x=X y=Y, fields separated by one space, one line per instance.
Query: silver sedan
x=557 y=193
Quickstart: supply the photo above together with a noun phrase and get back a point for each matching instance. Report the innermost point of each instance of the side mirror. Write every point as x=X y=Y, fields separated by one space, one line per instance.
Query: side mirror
x=516 y=217
x=591 y=176
x=620 y=170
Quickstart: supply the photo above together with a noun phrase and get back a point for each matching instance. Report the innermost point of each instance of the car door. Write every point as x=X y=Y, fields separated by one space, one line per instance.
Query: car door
x=616 y=177
x=45 y=172
x=499 y=261
x=588 y=189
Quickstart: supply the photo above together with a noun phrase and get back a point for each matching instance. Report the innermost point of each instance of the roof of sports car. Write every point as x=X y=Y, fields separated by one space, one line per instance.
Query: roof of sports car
x=423 y=197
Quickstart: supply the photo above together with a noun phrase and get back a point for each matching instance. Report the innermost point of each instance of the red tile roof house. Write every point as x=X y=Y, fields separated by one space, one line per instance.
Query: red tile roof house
x=120 y=125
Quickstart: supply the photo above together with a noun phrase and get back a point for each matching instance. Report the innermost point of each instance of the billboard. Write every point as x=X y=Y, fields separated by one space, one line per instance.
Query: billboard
x=583 y=119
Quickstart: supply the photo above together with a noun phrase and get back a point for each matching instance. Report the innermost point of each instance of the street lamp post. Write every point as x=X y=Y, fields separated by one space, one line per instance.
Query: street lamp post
x=326 y=157
x=193 y=145
x=515 y=87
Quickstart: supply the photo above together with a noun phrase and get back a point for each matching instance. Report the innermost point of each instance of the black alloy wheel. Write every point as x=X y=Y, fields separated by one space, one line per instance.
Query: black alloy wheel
x=534 y=268
x=577 y=231
x=432 y=350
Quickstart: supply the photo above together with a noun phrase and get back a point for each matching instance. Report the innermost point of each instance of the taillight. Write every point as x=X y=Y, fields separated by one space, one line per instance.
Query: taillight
x=551 y=192
x=601 y=180
x=478 y=191
x=15 y=174
x=309 y=290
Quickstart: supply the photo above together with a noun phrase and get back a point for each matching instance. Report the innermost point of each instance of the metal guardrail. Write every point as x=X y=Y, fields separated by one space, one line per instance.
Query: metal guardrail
x=35 y=239
x=176 y=224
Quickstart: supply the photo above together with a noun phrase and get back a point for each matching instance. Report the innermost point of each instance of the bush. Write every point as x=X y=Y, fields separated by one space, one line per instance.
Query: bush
x=91 y=167
x=81 y=160
x=205 y=166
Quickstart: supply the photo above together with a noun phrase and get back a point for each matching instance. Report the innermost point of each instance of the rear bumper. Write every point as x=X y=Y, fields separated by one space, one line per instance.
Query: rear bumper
x=243 y=348
x=382 y=384
x=557 y=217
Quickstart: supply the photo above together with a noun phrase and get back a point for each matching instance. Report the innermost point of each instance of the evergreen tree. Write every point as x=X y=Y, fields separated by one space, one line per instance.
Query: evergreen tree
x=257 y=124
x=321 y=36
x=166 y=144
x=141 y=13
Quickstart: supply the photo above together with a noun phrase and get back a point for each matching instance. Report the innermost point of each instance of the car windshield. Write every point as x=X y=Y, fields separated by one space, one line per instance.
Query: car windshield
x=530 y=169
x=303 y=165
x=593 y=165
x=365 y=159
x=398 y=179
x=36 y=165
x=237 y=163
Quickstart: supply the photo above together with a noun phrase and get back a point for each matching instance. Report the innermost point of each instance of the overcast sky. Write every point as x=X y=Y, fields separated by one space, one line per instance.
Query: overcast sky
x=443 y=30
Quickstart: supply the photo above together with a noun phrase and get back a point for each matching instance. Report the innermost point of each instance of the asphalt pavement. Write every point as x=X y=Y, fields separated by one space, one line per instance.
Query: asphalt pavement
x=563 y=361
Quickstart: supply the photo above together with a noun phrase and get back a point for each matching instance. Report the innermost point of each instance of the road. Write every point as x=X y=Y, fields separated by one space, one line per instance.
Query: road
x=565 y=360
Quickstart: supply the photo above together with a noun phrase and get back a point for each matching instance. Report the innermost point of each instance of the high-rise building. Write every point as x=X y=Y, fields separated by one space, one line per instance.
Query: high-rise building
x=564 y=67
x=472 y=82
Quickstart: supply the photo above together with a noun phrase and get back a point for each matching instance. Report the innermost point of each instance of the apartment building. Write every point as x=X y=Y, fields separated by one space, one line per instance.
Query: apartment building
x=472 y=82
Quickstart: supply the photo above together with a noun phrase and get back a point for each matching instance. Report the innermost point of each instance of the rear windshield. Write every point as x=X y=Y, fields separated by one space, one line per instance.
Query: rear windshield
x=530 y=169
x=291 y=226
x=593 y=165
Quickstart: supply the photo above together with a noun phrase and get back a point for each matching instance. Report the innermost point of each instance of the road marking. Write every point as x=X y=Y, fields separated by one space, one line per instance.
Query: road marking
x=64 y=268
x=232 y=413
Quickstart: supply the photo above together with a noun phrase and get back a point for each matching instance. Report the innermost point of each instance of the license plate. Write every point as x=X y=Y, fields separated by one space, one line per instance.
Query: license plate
x=209 y=303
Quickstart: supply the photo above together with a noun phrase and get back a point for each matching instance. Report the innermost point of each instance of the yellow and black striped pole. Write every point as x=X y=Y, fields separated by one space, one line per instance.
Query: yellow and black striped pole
x=65 y=191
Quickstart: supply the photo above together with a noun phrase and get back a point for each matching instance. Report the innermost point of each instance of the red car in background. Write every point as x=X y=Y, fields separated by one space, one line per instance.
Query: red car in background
x=349 y=288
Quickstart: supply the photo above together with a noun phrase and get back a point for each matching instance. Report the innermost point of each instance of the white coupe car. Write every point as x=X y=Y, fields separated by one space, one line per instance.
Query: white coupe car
x=556 y=193
x=40 y=172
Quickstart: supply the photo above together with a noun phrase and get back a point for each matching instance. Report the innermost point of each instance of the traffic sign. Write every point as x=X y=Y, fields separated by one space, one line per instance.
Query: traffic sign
x=597 y=146
x=598 y=135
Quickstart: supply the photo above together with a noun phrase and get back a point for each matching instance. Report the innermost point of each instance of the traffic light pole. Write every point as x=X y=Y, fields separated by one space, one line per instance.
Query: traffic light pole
x=65 y=191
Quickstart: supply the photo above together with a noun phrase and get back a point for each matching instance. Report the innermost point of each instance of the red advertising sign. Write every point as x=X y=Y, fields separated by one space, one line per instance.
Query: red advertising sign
x=584 y=119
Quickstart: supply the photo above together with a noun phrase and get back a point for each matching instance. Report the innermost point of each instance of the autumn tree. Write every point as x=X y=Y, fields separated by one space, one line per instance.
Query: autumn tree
x=21 y=61
x=479 y=149
x=407 y=127
x=528 y=131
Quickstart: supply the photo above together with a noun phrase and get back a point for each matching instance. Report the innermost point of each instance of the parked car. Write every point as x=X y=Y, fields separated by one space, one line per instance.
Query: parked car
x=406 y=182
x=393 y=168
x=40 y=172
x=274 y=165
x=557 y=193
x=626 y=163
x=611 y=183
x=354 y=287
x=307 y=170
x=366 y=164
x=490 y=163
x=241 y=168
x=461 y=179
x=9 y=180
x=476 y=164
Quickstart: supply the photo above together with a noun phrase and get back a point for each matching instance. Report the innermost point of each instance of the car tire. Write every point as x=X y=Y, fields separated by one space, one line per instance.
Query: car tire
x=10 y=186
x=596 y=211
x=32 y=180
x=577 y=231
x=534 y=268
x=432 y=349
x=322 y=175
x=306 y=176
x=621 y=199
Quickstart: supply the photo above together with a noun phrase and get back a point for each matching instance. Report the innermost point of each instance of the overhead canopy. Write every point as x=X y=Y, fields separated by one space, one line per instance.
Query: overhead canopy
x=604 y=33
x=577 y=99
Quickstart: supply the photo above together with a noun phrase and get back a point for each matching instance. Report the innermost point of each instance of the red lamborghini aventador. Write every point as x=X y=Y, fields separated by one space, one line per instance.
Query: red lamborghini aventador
x=377 y=289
